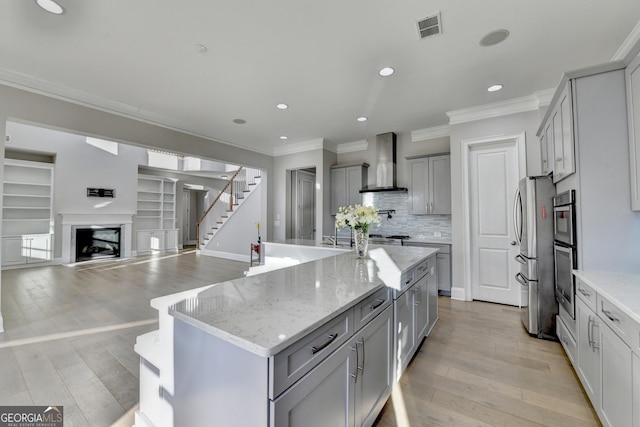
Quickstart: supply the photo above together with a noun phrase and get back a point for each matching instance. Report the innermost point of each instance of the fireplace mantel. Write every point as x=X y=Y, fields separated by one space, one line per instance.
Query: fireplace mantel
x=71 y=221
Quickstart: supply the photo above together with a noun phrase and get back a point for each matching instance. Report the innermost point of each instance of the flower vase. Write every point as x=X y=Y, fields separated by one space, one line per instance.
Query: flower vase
x=362 y=242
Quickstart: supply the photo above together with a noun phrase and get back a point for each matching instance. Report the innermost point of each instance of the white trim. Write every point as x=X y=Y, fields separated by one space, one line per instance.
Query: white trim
x=1 y=323
x=225 y=255
x=430 y=133
x=300 y=147
x=350 y=147
x=544 y=96
x=498 y=109
x=64 y=93
x=466 y=145
x=628 y=44
x=457 y=293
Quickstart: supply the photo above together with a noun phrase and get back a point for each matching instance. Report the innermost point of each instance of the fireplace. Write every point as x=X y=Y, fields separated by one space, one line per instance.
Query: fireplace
x=97 y=242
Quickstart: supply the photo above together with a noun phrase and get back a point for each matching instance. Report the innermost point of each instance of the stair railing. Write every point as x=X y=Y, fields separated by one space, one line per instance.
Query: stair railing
x=222 y=204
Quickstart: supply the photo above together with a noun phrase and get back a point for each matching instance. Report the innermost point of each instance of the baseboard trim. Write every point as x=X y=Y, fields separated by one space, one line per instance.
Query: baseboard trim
x=458 y=293
x=225 y=255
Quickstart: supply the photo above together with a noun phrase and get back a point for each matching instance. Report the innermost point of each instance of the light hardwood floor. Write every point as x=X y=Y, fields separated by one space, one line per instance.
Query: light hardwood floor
x=479 y=367
x=70 y=333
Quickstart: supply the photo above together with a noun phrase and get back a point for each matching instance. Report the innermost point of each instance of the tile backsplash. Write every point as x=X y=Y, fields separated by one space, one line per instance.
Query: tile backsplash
x=416 y=226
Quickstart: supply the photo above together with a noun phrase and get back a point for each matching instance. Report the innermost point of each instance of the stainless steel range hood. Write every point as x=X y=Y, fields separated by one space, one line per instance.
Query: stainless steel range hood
x=386 y=173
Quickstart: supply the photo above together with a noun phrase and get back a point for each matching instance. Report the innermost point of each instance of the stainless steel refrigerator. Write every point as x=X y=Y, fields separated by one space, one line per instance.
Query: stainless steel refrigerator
x=533 y=220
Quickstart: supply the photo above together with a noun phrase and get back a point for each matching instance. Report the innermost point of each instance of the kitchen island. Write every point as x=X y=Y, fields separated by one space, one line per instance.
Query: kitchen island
x=319 y=343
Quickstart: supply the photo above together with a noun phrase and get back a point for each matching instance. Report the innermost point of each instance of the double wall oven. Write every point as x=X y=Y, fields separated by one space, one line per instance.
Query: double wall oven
x=564 y=250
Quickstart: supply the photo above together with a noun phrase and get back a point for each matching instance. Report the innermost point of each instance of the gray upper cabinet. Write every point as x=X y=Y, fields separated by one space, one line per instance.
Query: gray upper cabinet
x=430 y=186
x=556 y=137
x=632 y=75
x=346 y=183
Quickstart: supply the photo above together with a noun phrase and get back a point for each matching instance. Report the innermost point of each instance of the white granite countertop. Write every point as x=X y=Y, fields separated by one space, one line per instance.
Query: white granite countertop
x=621 y=289
x=266 y=313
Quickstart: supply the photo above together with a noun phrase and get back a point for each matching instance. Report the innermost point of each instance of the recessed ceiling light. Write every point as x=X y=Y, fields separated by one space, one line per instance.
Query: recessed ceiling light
x=224 y=176
x=200 y=48
x=51 y=6
x=386 y=71
x=362 y=119
x=494 y=88
x=283 y=137
x=494 y=38
x=239 y=121
x=282 y=106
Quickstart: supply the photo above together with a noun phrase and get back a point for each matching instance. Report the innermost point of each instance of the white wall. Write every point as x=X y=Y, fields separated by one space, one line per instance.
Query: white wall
x=78 y=166
x=528 y=123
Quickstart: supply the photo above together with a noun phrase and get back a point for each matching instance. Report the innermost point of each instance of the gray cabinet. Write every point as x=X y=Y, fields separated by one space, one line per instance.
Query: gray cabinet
x=348 y=388
x=430 y=185
x=375 y=367
x=443 y=261
x=636 y=389
x=556 y=136
x=325 y=397
x=413 y=317
x=588 y=349
x=346 y=183
x=617 y=396
x=632 y=74
x=433 y=301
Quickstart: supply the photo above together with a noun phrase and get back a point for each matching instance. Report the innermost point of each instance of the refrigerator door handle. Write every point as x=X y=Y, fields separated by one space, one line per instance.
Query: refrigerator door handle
x=521 y=260
x=521 y=279
x=517 y=217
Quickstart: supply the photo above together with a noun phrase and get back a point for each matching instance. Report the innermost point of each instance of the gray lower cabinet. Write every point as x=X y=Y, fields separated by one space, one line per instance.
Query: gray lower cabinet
x=443 y=260
x=588 y=349
x=433 y=300
x=348 y=388
x=636 y=389
x=617 y=396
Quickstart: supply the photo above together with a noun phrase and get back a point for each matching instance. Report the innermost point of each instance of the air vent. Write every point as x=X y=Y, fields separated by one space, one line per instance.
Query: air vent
x=430 y=26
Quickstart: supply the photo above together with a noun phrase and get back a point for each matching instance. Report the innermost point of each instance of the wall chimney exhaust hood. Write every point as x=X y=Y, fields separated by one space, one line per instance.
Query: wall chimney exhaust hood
x=386 y=174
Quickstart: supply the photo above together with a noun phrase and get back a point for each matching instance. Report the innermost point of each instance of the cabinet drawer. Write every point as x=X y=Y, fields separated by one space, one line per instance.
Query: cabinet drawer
x=587 y=293
x=293 y=362
x=370 y=307
x=422 y=269
x=618 y=321
x=567 y=340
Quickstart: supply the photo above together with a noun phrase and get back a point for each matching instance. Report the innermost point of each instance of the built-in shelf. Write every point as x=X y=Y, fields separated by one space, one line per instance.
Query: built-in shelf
x=27 y=220
x=156 y=214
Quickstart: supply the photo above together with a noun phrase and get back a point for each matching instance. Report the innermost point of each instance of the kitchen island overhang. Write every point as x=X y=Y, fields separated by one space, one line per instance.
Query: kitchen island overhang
x=233 y=335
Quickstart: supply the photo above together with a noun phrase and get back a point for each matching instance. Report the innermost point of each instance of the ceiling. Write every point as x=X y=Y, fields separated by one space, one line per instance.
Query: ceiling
x=142 y=58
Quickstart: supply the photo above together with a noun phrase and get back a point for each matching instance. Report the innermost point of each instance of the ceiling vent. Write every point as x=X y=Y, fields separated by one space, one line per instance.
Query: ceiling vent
x=430 y=26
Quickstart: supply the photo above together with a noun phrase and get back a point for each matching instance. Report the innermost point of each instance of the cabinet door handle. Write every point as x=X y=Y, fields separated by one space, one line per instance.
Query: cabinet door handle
x=355 y=375
x=593 y=335
x=589 y=332
x=378 y=303
x=610 y=316
x=315 y=349
x=363 y=355
x=585 y=293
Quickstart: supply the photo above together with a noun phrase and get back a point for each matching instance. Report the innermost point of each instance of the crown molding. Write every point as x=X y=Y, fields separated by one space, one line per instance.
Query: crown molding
x=498 y=109
x=628 y=46
x=74 y=96
x=544 y=97
x=431 y=133
x=300 y=147
x=350 y=147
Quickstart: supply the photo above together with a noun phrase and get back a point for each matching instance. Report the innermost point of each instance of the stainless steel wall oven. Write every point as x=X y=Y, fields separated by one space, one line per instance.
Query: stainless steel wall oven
x=564 y=249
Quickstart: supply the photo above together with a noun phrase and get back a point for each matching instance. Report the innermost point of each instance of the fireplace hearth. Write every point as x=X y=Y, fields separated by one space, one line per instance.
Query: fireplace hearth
x=97 y=242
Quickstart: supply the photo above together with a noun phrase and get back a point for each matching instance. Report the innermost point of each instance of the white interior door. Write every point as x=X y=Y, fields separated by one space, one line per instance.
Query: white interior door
x=493 y=180
x=305 y=205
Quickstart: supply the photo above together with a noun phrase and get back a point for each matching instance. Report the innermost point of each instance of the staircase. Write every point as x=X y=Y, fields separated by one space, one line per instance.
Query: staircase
x=240 y=185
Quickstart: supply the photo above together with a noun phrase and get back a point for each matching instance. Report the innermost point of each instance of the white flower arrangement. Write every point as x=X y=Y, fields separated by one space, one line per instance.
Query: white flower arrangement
x=357 y=217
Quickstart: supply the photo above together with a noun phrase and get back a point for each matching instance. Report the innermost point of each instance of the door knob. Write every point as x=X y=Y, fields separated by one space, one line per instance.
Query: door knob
x=513 y=243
